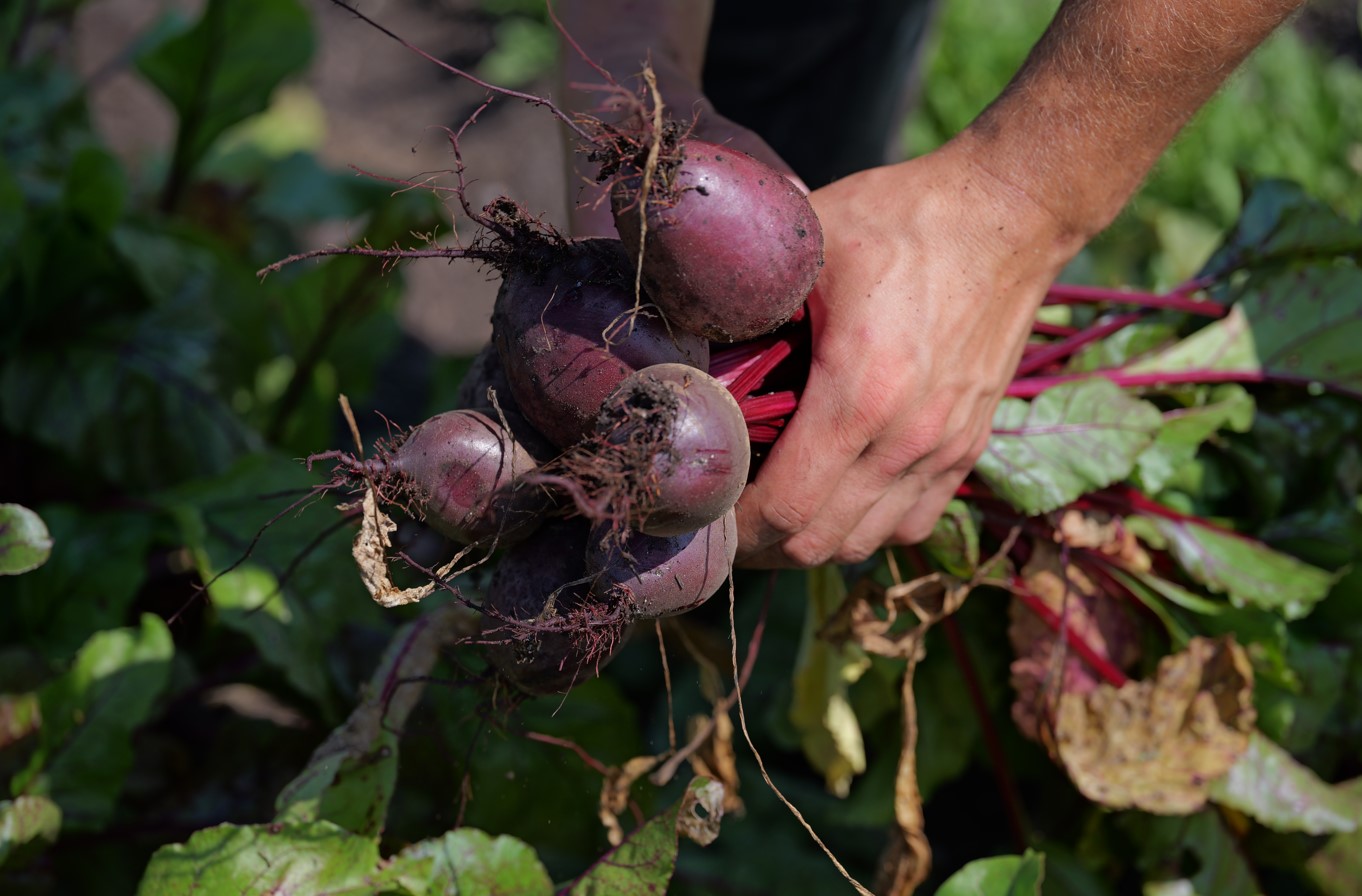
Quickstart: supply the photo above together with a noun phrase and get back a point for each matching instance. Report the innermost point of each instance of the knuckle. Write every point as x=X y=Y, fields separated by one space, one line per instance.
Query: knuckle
x=808 y=552
x=916 y=532
x=854 y=552
x=976 y=450
x=786 y=517
x=916 y=527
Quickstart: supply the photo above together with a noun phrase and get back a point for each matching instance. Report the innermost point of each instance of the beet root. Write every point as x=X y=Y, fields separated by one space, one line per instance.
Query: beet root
x=680 y=442
x=544 y=628
x=652 y=577
x=486 y=381
x=461 y=470
x=568 y=332
x=732 y=247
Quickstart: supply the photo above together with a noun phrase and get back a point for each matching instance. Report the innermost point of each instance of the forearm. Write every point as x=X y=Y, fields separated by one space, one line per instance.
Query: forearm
x=1103 y=94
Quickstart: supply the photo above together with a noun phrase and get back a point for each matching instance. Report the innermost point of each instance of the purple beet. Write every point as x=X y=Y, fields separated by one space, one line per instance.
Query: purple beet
x=681 y=443
x=664 y=576
x=732 y=247
x=544 y=628
x=460 y=469
x=567 y=334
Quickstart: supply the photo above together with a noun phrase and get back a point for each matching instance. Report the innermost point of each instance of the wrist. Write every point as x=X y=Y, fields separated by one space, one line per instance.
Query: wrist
x=1080 y=190
x=1010 y=216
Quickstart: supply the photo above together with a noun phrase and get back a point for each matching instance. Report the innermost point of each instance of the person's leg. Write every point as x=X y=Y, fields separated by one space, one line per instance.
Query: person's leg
x=822 y=82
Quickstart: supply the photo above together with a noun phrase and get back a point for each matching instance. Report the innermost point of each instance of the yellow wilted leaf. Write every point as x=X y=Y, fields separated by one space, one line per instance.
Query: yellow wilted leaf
x=1157 y=745
x=820 y=710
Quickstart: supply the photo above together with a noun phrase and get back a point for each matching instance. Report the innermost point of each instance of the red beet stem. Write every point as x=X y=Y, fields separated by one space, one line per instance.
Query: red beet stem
x=1100 y=664
x=770 y=408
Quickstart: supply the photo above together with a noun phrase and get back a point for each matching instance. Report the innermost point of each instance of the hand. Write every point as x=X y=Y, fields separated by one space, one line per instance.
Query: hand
x=933 y=273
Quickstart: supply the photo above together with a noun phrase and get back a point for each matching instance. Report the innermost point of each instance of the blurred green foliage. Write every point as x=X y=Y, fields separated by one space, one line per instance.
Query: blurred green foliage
x=155 y=399
x=1293 y=110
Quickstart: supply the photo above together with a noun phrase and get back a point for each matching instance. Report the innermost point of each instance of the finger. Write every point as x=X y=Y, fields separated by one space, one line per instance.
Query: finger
x=805 y=466
x=917 y=525
x=920 y=521
x=877 y=526
x=907 y=512
x=888 y=474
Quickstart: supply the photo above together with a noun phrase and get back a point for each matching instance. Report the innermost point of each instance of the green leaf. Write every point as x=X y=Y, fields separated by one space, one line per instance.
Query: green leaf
x=224 y=68
x=130 y=397
x=954 y=542
x=1070 y=440
x=643 y=864
x=25 y=543
x=1165 y=842
x=319 y=859
x=469 y=862
x=1185 y=429
x=28 y=825
x=1248 y=572
x=1280 y=222
x=98 y=564
x=822 y=677
x=1337 y=868
x=1153 y=587
x=95 y=190
x=1300 y=324
x=1123 y=347
x=998 y=876
x=350 y=778
x=597 y=716
x=1268 y=784
x=1298 y=698
x=89 y=715
x=250 y=600
x=217 y=517
x=1225 y=345
x=1306 y=322
x=523 y=50
x=20 y=716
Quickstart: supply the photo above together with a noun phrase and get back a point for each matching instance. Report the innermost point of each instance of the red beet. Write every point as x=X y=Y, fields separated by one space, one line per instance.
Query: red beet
x=487 y=378
x=680 y=441
x=544 y=628
x=460 y=469
x=654 y=577
x=732 y=246
x=567 y=336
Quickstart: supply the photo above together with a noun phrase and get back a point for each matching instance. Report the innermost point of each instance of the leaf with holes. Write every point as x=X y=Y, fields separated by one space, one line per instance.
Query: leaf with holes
x=644 y=862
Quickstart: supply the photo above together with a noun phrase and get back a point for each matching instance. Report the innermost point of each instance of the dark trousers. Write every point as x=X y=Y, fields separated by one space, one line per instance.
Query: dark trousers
x=823 y=83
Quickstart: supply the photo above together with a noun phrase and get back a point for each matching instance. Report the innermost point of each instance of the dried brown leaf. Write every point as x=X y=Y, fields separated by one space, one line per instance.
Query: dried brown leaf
x=1104 y=533
x=873 y=615
x=716 y=758
x=618 y=781
x=1157 y=745
x=370 y=550
x=907 y=860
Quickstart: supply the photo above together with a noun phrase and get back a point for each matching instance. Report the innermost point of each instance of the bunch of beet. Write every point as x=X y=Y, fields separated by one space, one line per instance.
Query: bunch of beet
x=607 y=431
